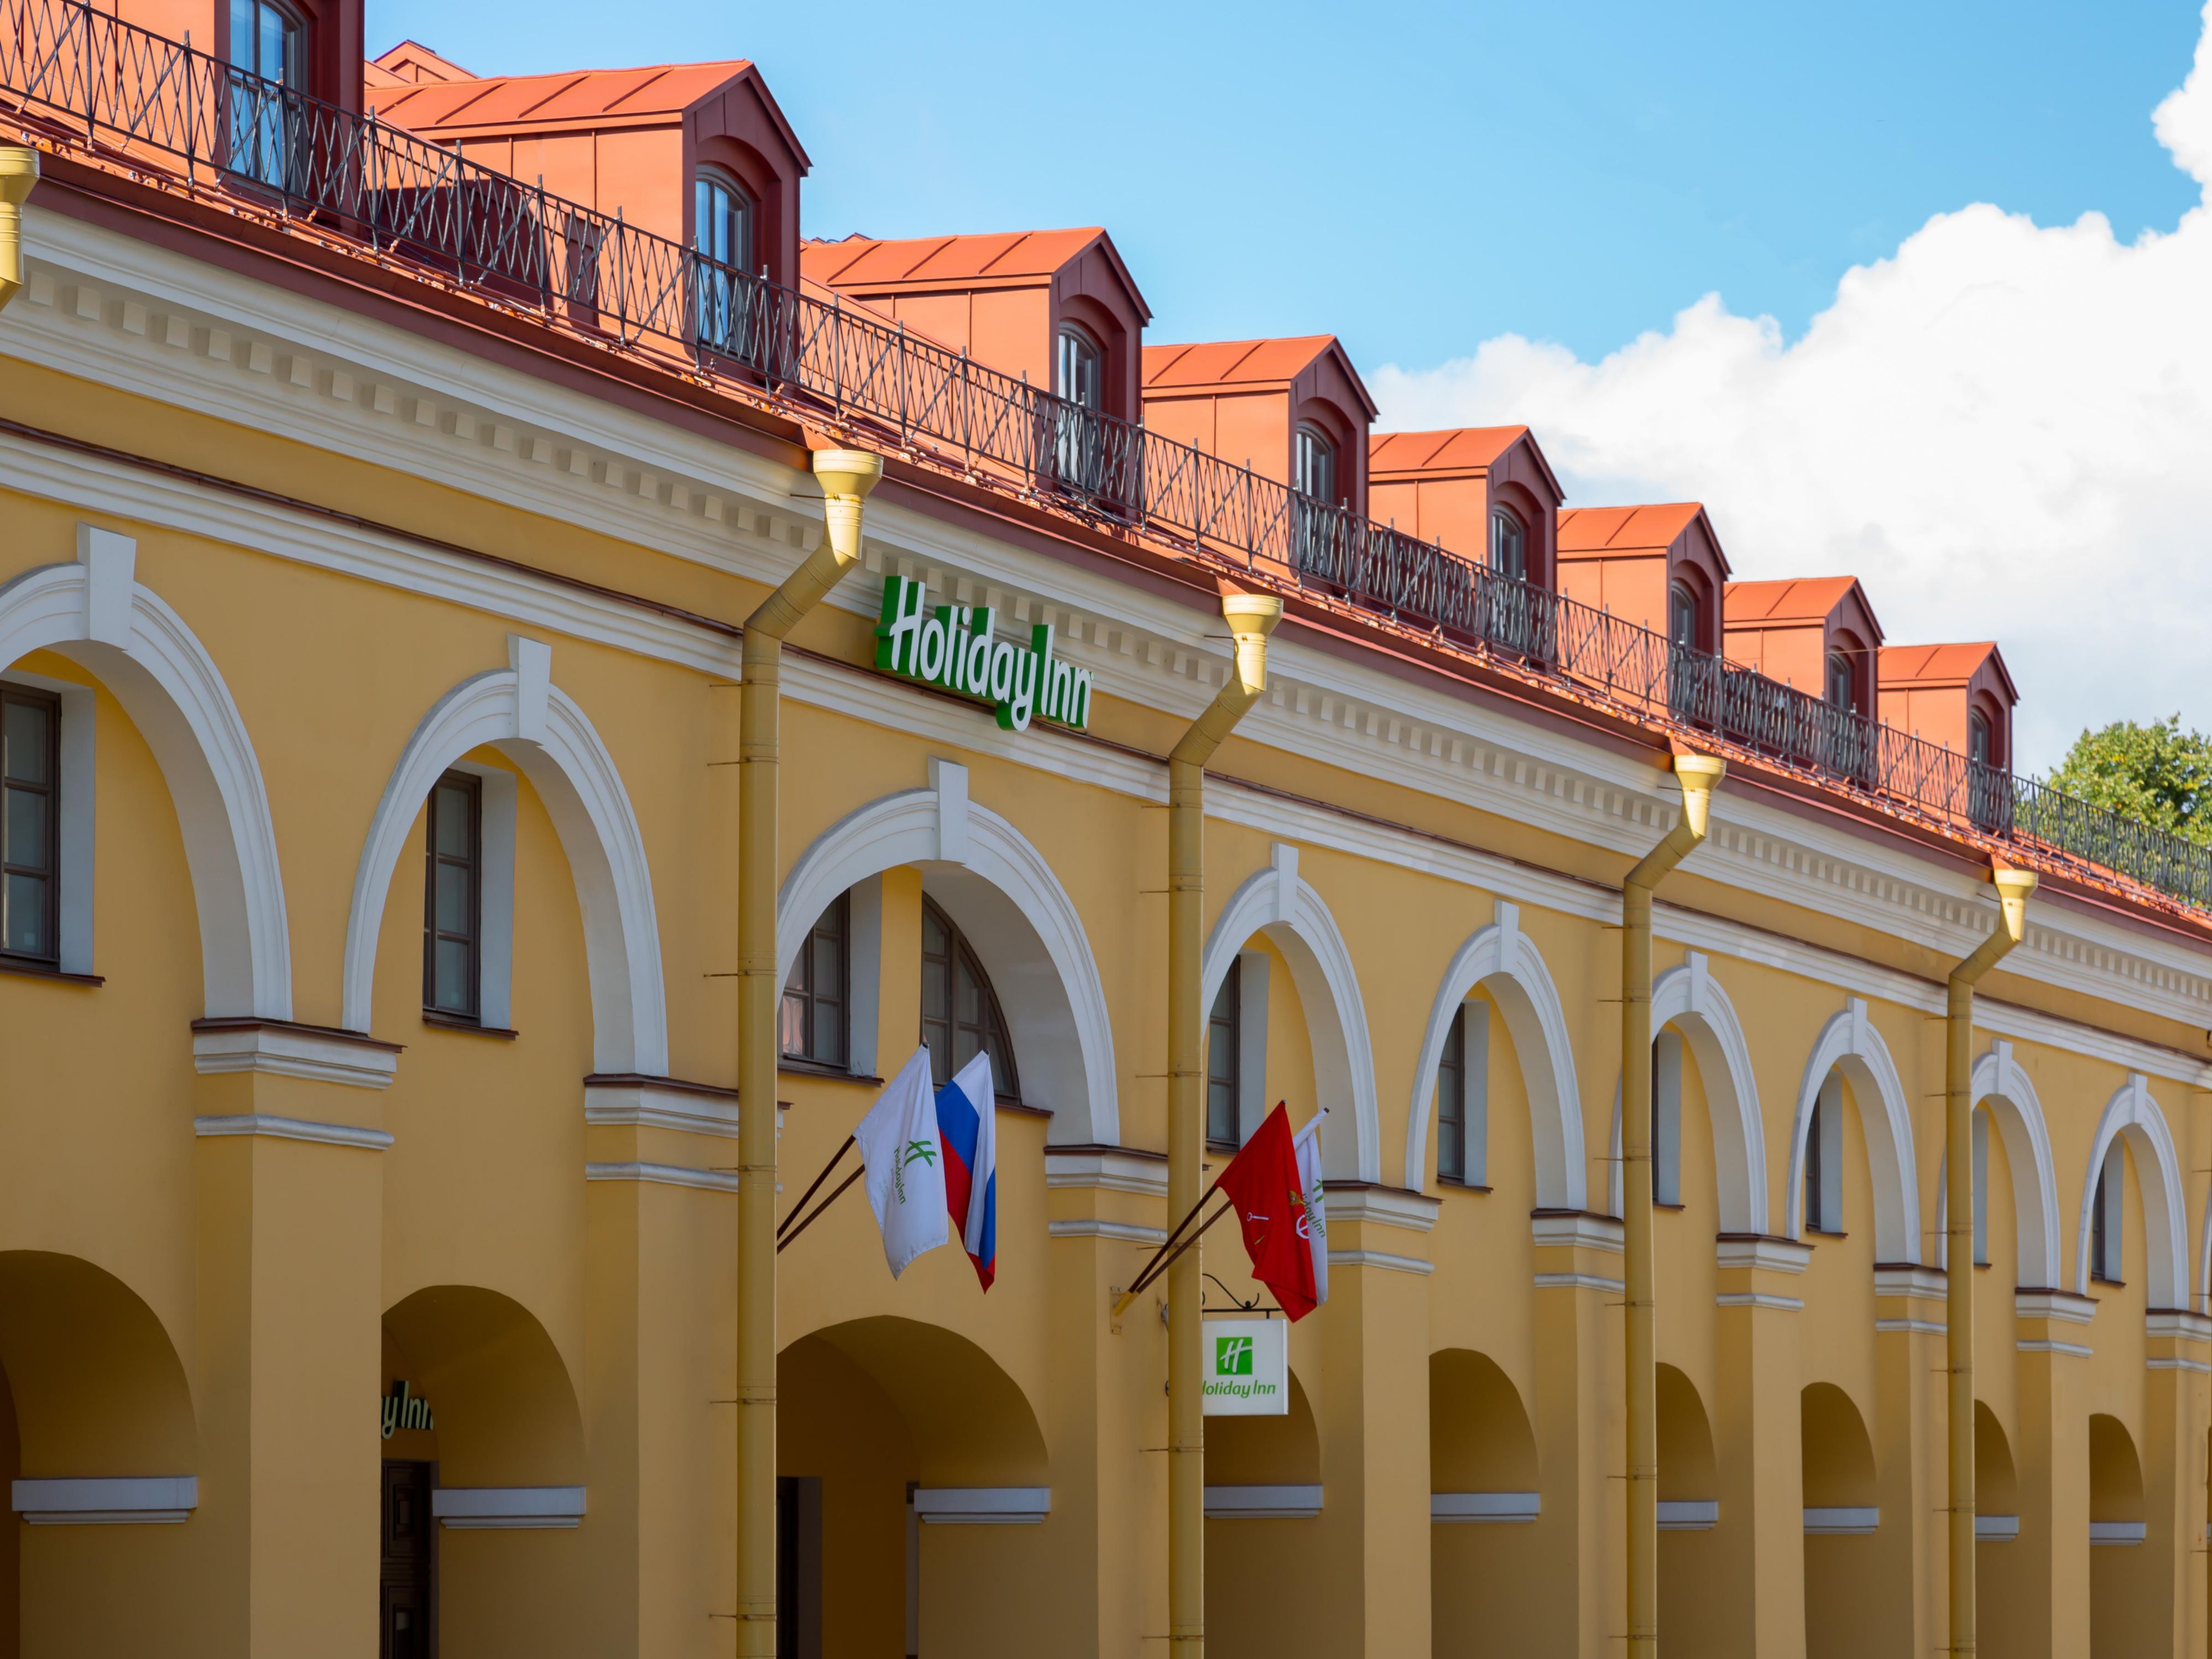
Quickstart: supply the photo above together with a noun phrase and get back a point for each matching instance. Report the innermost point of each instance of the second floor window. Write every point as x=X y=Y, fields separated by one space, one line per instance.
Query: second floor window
x=1509 y=544
x=960 y=1015
x=1224 y=1043
x=1823 y=1160
x=1666 y=1119
x=453 y=898
x=268 y=42
x=2106 y=1259
x=1462 y=1098
x=30 y=925
x=817 y=997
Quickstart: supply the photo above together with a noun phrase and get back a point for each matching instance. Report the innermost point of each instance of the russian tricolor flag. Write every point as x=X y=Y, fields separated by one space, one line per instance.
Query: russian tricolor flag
x=968 y=1124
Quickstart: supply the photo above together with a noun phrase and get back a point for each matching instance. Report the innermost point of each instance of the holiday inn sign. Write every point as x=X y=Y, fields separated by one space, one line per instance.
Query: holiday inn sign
x=955 y=647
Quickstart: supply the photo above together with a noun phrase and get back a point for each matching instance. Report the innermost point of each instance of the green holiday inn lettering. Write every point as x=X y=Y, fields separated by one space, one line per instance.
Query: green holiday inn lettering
x=955 y=647
x=403 y=1411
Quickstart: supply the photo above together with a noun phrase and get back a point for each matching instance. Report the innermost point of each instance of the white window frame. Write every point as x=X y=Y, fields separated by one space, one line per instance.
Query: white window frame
x=496 y=797
x=75 y=820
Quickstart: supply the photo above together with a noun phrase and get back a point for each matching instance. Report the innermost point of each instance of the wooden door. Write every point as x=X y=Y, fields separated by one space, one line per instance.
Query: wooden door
x=407 y=1613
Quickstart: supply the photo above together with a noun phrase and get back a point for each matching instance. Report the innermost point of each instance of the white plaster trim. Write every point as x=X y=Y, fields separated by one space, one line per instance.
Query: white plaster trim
x=2134 y=1112
x=293 y=1051
x=1898 y=1279
x=1579 y=1229
x=983 y=1506
x=664 y=1175
x=76 y=810
x=499 y=794
x=2036 y=1346
x=1282 y=904
x=1088 y=1227
x=1689 y=1514
x=1580 y=1282
x=1760 y=1299
x=1107 y=1169
x=1262 y=1503
x=2173 y=1323
x=576 y=778
x=1382 y=1206
x=106 y=1501
x=1828 y=1522
x=157 y=669
x=508 y=1509
x=1910 y=1326
x=2000 y=1084
x=651 y=1104
x=292 y=1128
x=1396 y=1264
x=1689 y=998
x=2107 y=1533
x=1484 y=1508
x=1850 y=1043
x=1997 y=1528
x=1068 y=1014
x=1774 y=1255
x=1506 y=962
x=2054 y=1305
x=2175 y=1363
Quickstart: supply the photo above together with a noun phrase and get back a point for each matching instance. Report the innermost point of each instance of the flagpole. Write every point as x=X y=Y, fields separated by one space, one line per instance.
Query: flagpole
x=834 y=1158
x=1144 y=1274
x=792 y=1237
x=1151 y=1275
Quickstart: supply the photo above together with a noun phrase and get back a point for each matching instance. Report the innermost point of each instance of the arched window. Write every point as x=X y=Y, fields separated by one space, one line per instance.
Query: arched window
x=1824 y=1159
x=1224 y=1046
x=1079 y=374
x=817 y=997
x=1079 y=368
x=1317 y=465
x=2106 y=1259
x=1842 y=694
x=1509 y=544
x=268 y=44
x=960 y=1016
x=1978 y=739
x=1667 y=1118
x=723 y=219
x=1685 y=625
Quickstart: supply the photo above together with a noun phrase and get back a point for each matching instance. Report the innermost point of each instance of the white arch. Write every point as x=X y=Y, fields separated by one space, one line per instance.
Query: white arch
x=2132 y=1112
x=1279 y=903
x=1691 y=1000
x=1506 y=960
x=1850 y=1043
x=1047 y=980
x=2000 y=1084
x=93 y=612
x=519 y=711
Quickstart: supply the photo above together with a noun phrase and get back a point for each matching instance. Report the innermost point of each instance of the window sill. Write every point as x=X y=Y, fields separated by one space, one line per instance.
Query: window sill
x=2109 y=1284
x=793 y=1066
x=39 y=970
x=1672 y=1209
x=1823 y=1232
x=1459 y=1186
x=1020 y=1111
x=450 y=1022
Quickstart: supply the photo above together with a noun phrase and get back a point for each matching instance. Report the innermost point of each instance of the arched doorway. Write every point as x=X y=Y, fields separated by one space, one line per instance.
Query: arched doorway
x=2014 y=1605
x=915 y=1494
x=1483 y=1512
x=2125 y=1576
x=1693 y=1588
x=1263 y=1497
x=1843 y=1593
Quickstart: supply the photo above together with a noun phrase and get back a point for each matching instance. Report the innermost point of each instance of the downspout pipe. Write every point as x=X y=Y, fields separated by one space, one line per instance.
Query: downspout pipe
x=2012 y=888
x=18 y=176
x=845 y=475
x=1698 y=775
x=1251 y=617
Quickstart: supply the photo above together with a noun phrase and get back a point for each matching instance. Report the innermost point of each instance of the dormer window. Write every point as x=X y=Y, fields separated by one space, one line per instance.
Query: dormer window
x=722 y=220
x=1979 y=746
x=1078 y=369
x=268 y=42
x=1509 y=544
x=1317 y=465
x=1685 y=626
x=1841 y=693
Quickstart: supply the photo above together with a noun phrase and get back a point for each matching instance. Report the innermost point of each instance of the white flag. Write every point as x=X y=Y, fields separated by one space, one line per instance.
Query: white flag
x=905 y=1158
x=1314 y=1223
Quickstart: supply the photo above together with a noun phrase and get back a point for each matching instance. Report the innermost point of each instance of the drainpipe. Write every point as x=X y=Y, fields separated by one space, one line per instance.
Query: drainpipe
x=846 y=476
x=19 y=174
x=1251 y=617
x=2012 y=888
x=1698 y=775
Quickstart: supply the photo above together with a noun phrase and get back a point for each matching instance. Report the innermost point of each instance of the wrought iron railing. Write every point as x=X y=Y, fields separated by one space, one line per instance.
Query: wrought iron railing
x=72 y=75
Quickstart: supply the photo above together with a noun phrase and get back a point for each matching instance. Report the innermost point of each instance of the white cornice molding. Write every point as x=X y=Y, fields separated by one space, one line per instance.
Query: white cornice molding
x=664 y=1175
x=1774 y=1255
x=107 y=1501
x=222 y=1047
x=508 y=1509
x=2177 y=1325
x=1382 y=1206
x=1124 y=1231
x=1907 y=1279
x=1113 y=1169
x=1578 y=1228
x=1382 y=1259
x=2062 y=1306
x=658 y=1103
x=270 y=1127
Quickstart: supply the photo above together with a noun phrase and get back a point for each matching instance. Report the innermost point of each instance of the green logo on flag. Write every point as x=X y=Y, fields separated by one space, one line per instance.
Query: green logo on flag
x=1232 y=1356
x=918 y=1151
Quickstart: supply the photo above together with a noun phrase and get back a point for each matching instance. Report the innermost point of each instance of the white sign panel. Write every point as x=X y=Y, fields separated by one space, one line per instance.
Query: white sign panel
x=1245 y=1367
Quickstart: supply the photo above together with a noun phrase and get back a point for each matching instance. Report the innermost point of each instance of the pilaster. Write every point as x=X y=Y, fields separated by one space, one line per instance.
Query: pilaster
x=1581 y=1442
x=1909 y=1432
x=1757 y=1422
x=2034 y=1589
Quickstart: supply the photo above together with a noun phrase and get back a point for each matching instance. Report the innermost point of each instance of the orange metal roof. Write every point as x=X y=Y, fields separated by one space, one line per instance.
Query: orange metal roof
x=1585 y=531
x=411 y=64
x=919 y=261
x=1797 y=599
x=1941 y=665
x=1232 y=362
x=575 y=98
x=1460 y=449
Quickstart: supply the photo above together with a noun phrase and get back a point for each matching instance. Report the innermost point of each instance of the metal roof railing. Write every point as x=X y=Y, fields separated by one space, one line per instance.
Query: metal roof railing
x=75 y=76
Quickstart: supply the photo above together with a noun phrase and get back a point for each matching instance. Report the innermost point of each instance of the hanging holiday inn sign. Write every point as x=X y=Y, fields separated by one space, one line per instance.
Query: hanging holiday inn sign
x=955 y=647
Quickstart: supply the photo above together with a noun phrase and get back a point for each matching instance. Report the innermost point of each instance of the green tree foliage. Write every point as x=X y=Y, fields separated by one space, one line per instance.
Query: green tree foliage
x=2158 y=773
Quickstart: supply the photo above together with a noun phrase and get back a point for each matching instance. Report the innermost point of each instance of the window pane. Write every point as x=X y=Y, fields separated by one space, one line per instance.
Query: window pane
x=828 y=963
x=936 y=994
x=26 y=828
x=827 y=1040
x=452 y=976
x=793 y=1035
x=29 y=739
x=452 y=815
x=26 y=928
x=453 y=899
x=971 y=994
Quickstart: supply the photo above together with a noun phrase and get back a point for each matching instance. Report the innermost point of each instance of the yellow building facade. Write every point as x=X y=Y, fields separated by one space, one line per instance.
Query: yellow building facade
x=369 y=1261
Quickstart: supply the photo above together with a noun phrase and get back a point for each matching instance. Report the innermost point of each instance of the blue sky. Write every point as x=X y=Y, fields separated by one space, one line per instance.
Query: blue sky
x=1431 y=176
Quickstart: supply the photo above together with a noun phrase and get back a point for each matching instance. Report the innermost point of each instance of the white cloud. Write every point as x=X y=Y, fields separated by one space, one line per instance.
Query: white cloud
x=2005 y=429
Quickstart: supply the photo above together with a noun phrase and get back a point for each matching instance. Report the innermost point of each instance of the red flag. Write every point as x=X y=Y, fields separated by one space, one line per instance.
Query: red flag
x=1262 y=1182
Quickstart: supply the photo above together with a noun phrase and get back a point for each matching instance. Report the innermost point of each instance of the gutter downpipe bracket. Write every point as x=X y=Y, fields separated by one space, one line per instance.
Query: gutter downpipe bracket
x=1698 y=775
x=19 y=177
x=846 y=476
x=2012 y=888
x=1251 y=619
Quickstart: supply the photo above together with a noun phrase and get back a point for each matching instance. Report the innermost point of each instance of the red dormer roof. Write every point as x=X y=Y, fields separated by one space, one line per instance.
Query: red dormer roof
x=412 y=63
x=1597 y=531
x=1018 y=259
x=1944 y=666
x=1799 y=599
x=1246 y=366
